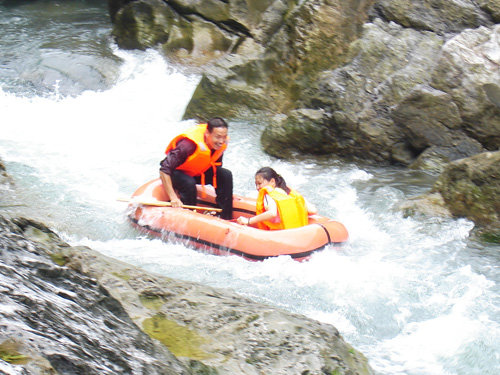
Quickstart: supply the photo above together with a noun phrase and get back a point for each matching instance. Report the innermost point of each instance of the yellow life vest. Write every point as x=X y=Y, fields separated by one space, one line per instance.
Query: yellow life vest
x=291 y=208
x=202 y=158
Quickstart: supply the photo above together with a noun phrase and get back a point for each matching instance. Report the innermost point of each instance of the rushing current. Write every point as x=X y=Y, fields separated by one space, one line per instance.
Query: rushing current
x=83 y=123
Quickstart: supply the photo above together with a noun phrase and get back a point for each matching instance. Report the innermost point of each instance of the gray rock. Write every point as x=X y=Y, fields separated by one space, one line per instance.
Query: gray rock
x=468 y=70
x=434 y=15
x=357 y=98
x=72 y=310
x=56 y=320
x=143 y=24
x=431 y=123
x=491 y=7
x=469 y=188
x=418 y=82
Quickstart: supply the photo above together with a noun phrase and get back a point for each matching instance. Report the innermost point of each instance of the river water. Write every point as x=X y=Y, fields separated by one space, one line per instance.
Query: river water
x=83 y=123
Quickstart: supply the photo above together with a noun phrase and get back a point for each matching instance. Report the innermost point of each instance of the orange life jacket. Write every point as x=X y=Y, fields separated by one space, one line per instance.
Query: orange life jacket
x=291 y=209
x=202 y=158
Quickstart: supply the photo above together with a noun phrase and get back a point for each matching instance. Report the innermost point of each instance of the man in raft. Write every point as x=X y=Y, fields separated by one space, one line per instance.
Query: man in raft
x=278 y=206
x=195 y=157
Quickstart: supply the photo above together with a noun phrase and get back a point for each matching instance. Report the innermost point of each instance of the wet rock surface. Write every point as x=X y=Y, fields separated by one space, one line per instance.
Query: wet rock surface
x=56 y=320
x=469 y=188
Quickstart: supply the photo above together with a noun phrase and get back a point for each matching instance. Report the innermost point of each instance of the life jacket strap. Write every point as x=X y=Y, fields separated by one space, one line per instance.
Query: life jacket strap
x=214 y=180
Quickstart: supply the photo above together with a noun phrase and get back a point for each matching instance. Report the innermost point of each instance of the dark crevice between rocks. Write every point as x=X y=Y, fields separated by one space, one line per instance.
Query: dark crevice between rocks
x=230 y=26
x=378 y=12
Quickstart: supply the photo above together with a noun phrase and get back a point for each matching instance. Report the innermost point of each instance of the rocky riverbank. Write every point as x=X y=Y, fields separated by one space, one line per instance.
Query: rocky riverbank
x=71 y=310
x=400 y=82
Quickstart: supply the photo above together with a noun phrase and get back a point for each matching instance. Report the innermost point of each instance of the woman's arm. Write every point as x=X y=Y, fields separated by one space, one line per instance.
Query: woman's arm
x=311 y=208
x=268 y=215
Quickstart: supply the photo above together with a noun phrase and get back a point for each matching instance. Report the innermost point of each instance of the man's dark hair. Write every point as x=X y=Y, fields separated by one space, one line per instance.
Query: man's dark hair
x=216 y=122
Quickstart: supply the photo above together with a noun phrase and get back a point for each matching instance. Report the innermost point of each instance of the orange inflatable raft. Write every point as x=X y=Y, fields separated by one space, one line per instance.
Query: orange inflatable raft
x=201 y=229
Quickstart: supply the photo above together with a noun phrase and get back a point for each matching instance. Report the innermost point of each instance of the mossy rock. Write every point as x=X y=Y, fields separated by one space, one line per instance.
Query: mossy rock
x=182 y=341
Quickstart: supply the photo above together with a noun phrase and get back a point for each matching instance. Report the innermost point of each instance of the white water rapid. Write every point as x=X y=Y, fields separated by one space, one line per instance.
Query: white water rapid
x=415 y=295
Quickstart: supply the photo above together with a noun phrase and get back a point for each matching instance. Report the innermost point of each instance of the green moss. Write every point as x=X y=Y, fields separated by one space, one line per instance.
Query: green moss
x=9 y=353
x=152 y=302
x=491 y=237
x=252 y=318
x=59 y=258
x=121 y=276
x=181 y=341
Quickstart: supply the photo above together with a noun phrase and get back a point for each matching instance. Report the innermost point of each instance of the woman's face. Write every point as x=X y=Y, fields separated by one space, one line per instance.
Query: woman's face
x=261 y=182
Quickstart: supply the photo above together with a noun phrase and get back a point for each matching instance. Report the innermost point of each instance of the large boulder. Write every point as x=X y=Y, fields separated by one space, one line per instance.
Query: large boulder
x=469 y=188
x=407 y=97
x=195 y=32
x=356 y=99
x=143 y=24
x=72 y=310
x=432 y=126
x=468 y=70
x=270 y=73
x=255 y=55
x=58 y=321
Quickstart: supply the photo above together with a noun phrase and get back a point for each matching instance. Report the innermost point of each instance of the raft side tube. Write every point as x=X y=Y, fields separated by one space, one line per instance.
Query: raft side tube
x=218 y=236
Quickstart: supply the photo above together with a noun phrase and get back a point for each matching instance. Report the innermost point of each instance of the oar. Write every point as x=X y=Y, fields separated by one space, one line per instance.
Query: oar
x=168 y=204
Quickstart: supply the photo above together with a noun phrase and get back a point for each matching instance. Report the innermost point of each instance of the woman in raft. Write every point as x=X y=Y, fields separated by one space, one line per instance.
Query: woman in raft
x=278 y=206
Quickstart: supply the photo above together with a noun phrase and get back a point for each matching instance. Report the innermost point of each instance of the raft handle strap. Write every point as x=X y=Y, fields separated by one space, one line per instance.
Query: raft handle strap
x=326 y=231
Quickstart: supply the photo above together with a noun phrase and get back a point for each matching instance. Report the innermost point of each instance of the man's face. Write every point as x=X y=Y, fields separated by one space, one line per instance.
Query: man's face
x=217 y=138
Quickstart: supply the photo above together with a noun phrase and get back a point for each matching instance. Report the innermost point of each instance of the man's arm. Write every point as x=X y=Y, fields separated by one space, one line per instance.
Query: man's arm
x=169 y=189
x=174 y=158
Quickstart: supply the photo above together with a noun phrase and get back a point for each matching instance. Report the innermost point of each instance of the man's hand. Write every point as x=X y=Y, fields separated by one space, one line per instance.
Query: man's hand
x=176 y=202
x=167 y=185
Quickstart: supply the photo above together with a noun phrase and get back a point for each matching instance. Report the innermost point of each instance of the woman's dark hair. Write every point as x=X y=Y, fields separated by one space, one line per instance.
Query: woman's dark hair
x=268 y=173
x=216 y=122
